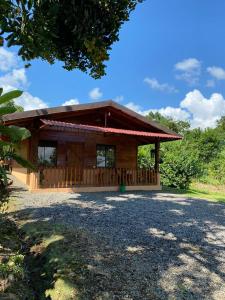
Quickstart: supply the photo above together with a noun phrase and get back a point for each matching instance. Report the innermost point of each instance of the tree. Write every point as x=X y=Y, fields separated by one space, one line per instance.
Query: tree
x=179 y=127
x=78 y=33
x=10 y=136
x=216 y=169
x=221 y=123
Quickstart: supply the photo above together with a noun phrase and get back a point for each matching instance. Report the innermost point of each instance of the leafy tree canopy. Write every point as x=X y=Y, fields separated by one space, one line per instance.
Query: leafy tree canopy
x=78 y=33
x=177 y=126
x=200 y=155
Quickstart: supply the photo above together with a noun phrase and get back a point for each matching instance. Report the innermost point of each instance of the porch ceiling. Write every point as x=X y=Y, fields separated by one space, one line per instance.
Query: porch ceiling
x=148 y=136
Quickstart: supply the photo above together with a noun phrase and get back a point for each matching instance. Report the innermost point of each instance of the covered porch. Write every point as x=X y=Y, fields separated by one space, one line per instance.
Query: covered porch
x=92 y=158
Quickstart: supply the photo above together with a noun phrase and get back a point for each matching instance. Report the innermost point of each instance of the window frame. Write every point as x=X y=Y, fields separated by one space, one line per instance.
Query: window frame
x=50 y=144
x=106 y=147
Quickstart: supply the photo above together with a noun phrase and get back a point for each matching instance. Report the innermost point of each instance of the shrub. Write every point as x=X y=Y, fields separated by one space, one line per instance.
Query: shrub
x=216 y=169
x=178 y=166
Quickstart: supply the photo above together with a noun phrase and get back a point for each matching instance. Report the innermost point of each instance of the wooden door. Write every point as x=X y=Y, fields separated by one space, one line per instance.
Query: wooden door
x=75 y=159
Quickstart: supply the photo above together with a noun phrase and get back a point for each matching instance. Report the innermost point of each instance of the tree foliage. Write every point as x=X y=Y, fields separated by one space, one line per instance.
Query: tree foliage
x=78 y=33
x=200 y=155
x=177 y=126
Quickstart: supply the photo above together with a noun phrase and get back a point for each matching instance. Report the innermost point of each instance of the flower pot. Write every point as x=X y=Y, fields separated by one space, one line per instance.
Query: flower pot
x=122 y=188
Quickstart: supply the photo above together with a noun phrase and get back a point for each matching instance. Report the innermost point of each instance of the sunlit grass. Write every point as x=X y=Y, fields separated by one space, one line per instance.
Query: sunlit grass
x=202 y=191
x=205 y=191
x=56 y=262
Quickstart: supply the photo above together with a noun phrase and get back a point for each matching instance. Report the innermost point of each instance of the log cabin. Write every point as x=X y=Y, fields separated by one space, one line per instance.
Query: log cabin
x=88 y=147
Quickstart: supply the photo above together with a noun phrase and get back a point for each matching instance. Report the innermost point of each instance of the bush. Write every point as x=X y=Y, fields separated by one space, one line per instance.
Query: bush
x=178 y=166
x=216 y=169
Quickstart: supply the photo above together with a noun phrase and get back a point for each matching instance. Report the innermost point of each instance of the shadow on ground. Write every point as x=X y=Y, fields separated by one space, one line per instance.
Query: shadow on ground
x=126 y=246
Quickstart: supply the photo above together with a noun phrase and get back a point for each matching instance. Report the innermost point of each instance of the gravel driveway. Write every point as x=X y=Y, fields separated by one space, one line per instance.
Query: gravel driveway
x=148 y=245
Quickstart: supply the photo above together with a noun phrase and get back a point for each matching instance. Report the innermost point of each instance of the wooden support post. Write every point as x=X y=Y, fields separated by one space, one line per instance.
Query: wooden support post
x=34 y=181
x=157 y=157
x=33 y=150
x=157 y=148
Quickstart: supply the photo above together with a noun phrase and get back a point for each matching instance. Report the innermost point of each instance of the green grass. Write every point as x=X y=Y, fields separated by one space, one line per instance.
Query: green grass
x=55 y=263
x=13 y=273
x=201 y=191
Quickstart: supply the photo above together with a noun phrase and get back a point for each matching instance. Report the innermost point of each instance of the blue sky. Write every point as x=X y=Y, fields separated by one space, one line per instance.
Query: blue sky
x=170 y=58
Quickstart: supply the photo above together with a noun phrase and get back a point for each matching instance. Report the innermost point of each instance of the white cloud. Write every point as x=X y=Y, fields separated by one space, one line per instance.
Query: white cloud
x=29 y=102
x=188 y=70
x=17 y=79
x=118 y=99
x=156 y=85
x=134 y=107
x=198 y=110
x=8 y=60
x=71 y=102
x=216 y=72
x=176 y=113
x=205 y=111
x=95 y=94
x=188 y=64
x=210 y=83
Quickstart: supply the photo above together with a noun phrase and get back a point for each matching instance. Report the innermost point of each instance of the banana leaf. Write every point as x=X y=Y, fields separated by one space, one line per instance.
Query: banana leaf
x=4 y=110
x=10 y=96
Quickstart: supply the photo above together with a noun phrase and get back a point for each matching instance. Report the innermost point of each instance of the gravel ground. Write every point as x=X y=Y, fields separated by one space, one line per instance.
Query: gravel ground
x=147 y=245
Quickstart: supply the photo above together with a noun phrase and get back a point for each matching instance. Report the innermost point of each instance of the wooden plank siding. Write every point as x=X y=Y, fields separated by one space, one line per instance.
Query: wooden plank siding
x=17 y=170
x=126 y=147
x=76 y=162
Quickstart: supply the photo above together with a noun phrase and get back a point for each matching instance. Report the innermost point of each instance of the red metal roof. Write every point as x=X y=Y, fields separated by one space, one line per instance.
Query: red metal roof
x=163 y=136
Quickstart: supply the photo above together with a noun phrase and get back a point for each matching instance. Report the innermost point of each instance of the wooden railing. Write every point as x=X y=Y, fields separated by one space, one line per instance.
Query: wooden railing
x=62 y=177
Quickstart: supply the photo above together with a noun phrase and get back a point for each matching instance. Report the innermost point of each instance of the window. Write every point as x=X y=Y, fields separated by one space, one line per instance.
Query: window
x=47 y=154
x=105 y=156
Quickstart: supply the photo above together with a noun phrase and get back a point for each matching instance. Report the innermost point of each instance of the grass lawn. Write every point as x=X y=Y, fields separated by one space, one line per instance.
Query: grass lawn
x=202 y=191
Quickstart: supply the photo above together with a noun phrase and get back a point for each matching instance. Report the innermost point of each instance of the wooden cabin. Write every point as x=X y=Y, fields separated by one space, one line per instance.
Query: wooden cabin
x=88 y=147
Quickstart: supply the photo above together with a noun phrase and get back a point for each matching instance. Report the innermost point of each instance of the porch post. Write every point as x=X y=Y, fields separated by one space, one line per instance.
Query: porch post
x=34 y=181
x=33 y=151
x=33 y=177
x=157 y=149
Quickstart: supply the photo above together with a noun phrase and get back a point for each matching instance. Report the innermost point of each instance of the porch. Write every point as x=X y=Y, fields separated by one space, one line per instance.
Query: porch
x=94 y=179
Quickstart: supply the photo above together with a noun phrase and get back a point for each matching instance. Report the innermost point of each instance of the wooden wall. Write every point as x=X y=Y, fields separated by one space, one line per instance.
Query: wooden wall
x=126 y=147
x=18 y=171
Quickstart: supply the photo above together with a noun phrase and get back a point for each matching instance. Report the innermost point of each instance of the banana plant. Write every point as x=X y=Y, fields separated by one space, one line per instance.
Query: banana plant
x=10 y=136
